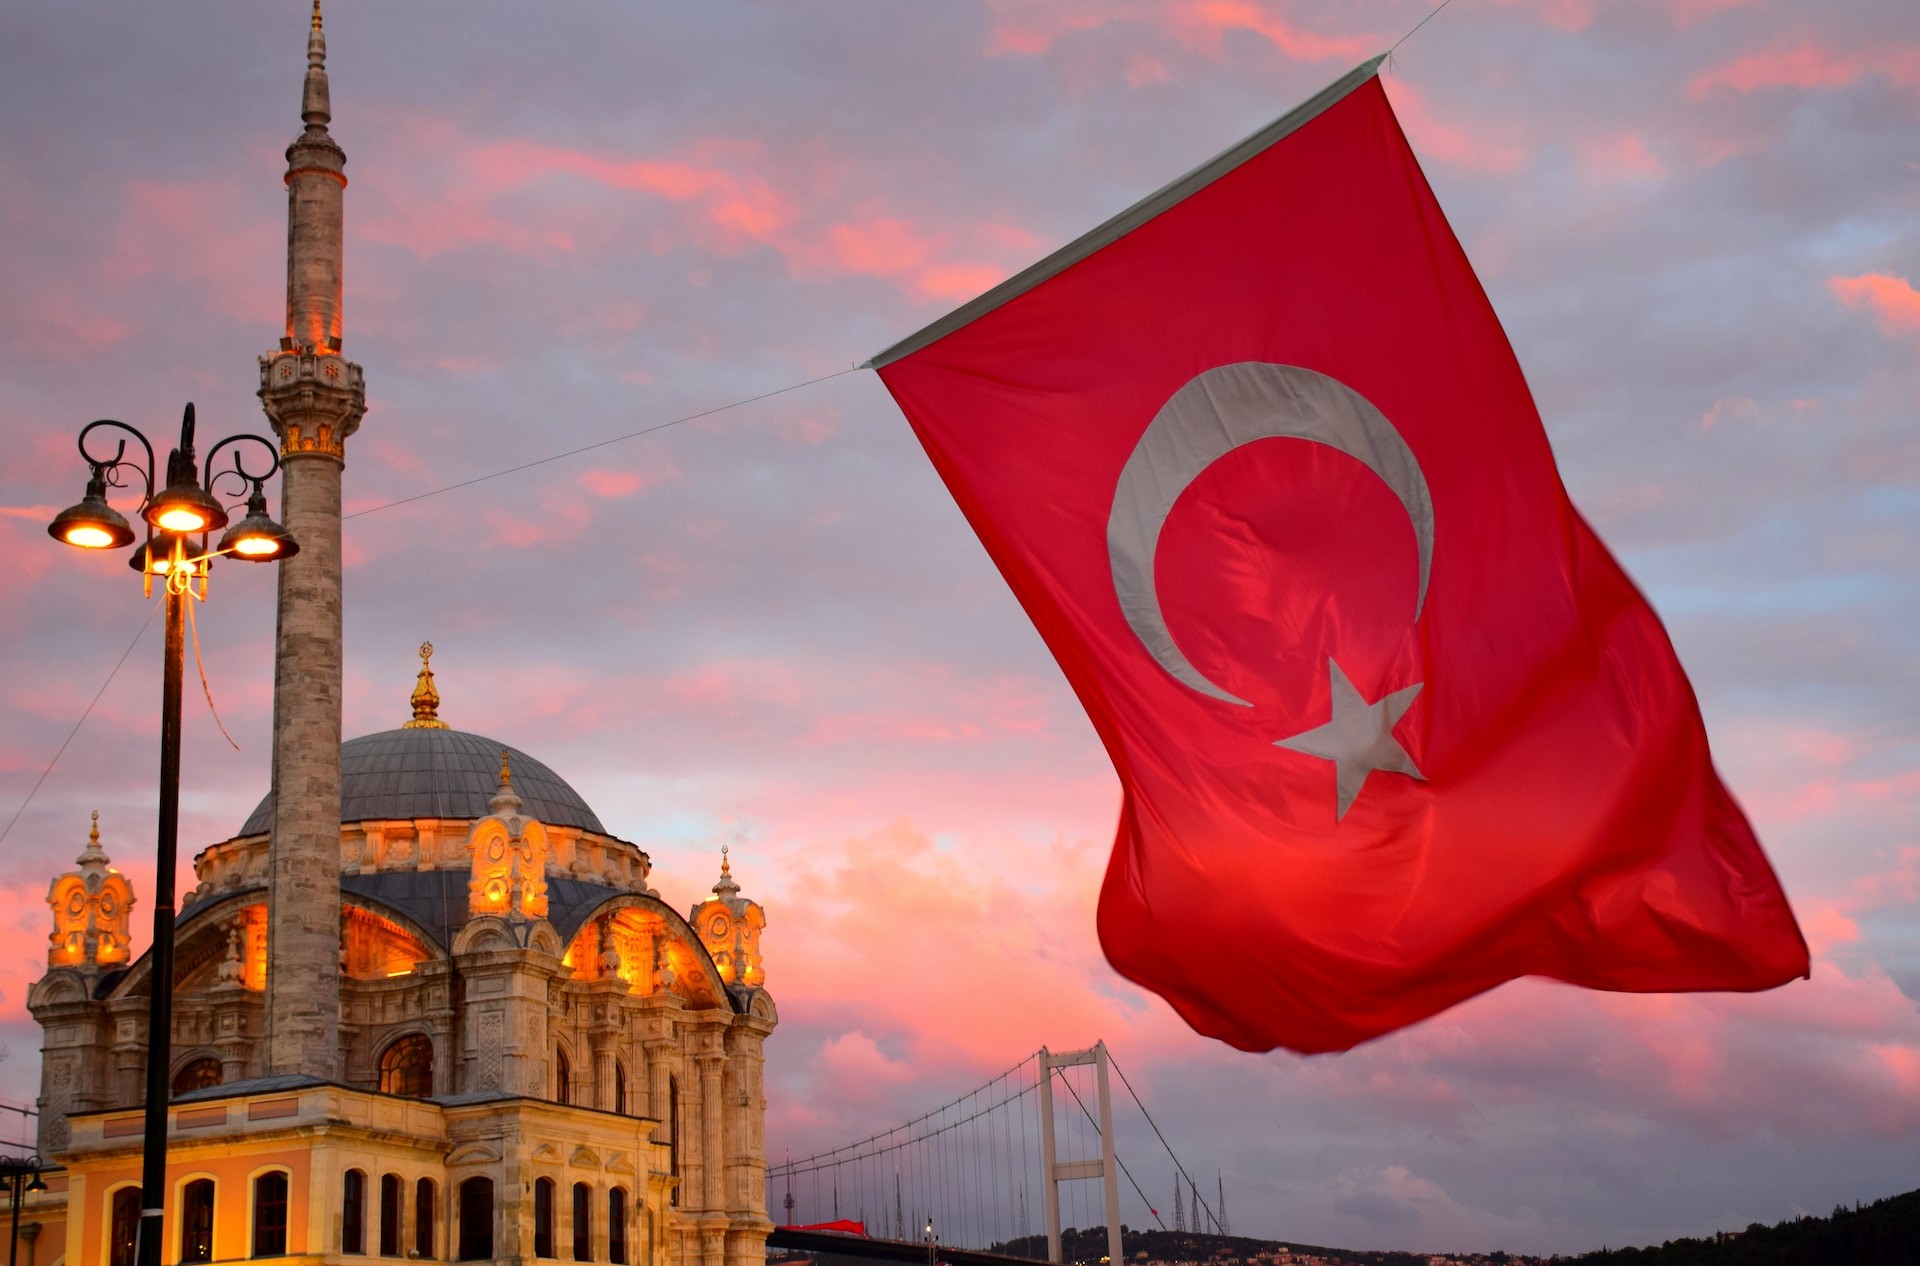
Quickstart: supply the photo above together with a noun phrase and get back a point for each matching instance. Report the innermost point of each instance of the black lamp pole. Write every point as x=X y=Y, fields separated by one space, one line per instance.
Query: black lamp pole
x=186 y=506
x=153 y=1157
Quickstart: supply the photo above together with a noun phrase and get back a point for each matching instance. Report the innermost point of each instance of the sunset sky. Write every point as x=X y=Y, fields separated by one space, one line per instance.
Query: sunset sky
x=771 y=627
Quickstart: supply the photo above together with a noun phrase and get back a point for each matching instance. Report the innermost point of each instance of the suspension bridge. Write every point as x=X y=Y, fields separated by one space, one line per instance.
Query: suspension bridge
x=1004 y=1173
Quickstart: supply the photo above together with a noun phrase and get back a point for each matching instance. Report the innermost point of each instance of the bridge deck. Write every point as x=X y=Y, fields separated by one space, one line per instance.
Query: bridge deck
x=886 y=1250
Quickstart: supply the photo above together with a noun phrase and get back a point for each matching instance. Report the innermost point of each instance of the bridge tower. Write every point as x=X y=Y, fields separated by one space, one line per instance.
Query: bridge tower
x=1053 y=1171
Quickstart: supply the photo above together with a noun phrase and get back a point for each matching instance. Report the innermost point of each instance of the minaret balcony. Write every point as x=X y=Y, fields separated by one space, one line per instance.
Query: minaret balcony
x=314 y=399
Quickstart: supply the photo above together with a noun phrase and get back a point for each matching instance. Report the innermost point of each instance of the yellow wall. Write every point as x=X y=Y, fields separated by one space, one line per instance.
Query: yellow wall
x=232 y=1167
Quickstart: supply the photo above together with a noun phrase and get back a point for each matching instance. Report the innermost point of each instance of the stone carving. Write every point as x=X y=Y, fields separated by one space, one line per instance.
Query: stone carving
x=492 y=1036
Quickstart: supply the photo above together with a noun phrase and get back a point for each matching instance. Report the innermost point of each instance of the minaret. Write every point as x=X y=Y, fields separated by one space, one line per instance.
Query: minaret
x=314 y=398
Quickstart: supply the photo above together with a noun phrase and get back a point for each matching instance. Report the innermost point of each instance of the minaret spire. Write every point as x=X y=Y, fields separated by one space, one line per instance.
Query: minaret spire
x=314 y=397
x=316 y=109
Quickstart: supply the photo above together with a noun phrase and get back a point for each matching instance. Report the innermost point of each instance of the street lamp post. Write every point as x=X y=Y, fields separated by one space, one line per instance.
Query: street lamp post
x=184 y=507
x=15 y=1171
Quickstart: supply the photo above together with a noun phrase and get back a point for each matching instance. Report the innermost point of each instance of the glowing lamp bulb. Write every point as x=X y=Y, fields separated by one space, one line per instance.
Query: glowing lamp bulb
x=256 y=546
x=89 y=536
x=181 y=519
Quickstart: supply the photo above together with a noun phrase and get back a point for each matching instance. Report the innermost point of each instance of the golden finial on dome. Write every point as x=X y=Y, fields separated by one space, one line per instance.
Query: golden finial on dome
x=726 y=869
x=316 y=14
x=506 y=773
x=426 y=700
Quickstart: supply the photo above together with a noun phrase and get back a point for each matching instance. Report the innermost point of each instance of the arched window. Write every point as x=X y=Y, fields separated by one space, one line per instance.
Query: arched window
x=582 y=1222
x=390 y=1189
x=425 y=1199
x=406 y=1067
x=619 y=1086
x=353 y=1212
x=476 y=1219
x=197 y=1075
x=617 y=1226
x=543 y=1217
x=562 y=1076
x=270 y=1214
x=123 y=1227
x=196 y=1221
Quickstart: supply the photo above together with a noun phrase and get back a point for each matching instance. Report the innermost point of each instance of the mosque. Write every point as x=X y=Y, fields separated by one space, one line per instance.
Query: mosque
x=426 y=1006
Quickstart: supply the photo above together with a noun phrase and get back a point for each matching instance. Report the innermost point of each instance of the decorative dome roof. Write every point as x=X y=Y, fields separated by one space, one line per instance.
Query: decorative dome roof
x=439 y=773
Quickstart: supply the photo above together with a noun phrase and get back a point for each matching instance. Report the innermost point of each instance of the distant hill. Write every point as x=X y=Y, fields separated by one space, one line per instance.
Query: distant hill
x=1884 y=1233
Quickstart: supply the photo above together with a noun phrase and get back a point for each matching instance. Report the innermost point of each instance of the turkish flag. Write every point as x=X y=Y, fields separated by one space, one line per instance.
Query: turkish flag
x=1392 y=725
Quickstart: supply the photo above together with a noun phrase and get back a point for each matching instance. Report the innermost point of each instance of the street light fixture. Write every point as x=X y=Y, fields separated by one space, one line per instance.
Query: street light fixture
x=185 y=506
x=13 y=1172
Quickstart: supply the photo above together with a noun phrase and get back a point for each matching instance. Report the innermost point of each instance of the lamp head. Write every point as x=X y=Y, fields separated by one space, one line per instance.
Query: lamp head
x=92 y=523
x=257 y=538
x=155 y=556
x=183 y=506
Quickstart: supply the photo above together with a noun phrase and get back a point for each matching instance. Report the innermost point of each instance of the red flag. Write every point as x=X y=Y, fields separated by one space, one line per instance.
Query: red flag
x=1392 y=725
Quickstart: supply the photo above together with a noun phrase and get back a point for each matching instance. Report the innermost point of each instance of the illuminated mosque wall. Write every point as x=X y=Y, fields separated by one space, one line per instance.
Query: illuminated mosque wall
x=540 y=1058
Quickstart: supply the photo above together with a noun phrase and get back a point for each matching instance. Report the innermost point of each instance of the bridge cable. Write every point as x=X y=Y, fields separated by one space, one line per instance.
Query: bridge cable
x=1135 y=1096
x=1116 y=1151
x=796 y=1166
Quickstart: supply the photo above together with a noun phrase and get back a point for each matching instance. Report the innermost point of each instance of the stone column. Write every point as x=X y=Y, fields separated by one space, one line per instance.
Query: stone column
x=713 y=1148
x=315 y=399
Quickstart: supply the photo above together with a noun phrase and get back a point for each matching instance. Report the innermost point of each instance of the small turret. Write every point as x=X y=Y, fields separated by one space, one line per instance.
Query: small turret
x=510 y=852
x=729 y=926
x=92 y=909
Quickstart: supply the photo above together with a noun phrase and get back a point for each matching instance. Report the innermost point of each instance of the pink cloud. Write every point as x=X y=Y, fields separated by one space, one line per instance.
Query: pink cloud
x=1482 y=146
x=1295 y=42
x=559 y=513
x=949 y=710
x=534 y=199
x=1727 y=408
x=1622 y=156
x=1562 y=15
x=1686 y=13
x=854 y=1060
x=1029 y=28
x=958 y=282
x=880 y=909
x=881 y=247
x=1826 y=927
x=734 y=686
x=1893 y=301
x=1809 y=66
x=198 y=234
x=63 y=330
x=617 y=483
x=23 y=535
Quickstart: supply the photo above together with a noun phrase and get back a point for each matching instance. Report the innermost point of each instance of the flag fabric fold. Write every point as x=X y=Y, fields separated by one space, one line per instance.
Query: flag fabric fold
x=1391 y=725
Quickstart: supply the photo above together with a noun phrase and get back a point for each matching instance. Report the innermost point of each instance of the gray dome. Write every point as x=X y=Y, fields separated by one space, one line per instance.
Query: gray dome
x=432 y=773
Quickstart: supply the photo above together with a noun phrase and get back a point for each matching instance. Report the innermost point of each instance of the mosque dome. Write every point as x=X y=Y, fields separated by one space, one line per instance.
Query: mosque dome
x=425 y=770
x=439 y=773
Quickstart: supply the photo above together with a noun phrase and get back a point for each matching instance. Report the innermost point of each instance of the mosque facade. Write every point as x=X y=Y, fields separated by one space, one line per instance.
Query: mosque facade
x=427 y=1007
